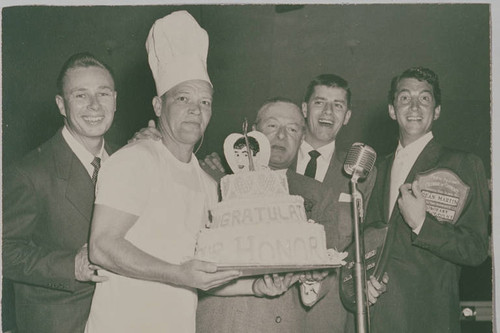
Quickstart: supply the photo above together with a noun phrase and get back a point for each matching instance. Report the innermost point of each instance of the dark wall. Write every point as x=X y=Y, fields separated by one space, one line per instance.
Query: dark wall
x=256 y=52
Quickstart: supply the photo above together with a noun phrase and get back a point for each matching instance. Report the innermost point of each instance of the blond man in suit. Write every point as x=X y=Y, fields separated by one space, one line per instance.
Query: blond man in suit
x=48 y=203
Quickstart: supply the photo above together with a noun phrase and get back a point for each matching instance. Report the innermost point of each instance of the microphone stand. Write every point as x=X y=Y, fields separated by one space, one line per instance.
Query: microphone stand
x=362 y=325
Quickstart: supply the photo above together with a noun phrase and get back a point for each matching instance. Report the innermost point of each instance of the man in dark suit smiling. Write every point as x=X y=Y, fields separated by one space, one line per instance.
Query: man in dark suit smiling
x=48 y=202
x=432 y=239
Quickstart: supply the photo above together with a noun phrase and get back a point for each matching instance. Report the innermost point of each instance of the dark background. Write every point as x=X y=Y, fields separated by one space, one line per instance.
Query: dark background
x=257 y=52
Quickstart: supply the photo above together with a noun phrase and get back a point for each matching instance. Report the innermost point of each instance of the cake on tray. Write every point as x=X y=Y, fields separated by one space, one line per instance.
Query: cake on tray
x=259 y=223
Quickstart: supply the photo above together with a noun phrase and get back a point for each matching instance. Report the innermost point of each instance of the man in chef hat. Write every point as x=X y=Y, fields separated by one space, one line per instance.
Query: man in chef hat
x=153 y=197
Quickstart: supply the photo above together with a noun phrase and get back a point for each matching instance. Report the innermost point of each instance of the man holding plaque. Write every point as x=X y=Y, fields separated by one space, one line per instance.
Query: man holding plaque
x=435 y=202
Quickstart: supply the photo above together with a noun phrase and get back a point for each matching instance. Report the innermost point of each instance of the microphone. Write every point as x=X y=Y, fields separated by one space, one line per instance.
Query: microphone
x=360 y=160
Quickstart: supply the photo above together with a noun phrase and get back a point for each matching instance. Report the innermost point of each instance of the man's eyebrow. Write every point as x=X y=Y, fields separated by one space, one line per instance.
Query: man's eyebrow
x=408 y=90
x=268 y=118
x=77 y=89
x=106 y=87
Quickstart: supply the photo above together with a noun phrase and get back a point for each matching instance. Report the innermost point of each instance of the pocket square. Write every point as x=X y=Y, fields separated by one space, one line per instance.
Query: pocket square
x=344 y=197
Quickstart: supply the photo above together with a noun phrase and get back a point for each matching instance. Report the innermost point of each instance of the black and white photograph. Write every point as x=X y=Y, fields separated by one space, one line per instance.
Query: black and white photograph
x=287 y=167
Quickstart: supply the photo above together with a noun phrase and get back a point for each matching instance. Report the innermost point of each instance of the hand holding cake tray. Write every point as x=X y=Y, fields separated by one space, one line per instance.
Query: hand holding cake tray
x=258 y=227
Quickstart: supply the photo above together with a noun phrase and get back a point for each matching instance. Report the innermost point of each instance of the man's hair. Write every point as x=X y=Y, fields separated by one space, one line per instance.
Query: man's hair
x=252 y=142
x=84 y=60
x=421 y=74
x=329 y=80
x=271 y=101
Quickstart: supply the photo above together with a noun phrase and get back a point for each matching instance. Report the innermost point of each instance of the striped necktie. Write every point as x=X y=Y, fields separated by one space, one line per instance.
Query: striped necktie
x=96 y=163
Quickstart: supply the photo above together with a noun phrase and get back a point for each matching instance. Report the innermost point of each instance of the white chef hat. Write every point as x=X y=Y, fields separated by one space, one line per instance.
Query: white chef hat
x=177 y=51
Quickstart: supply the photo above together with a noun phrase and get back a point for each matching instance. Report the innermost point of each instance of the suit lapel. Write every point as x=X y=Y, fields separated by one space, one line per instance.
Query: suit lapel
x=335 y=167
x=301 y=185
x=78 y=188
x=426 y=160
x=385 y=171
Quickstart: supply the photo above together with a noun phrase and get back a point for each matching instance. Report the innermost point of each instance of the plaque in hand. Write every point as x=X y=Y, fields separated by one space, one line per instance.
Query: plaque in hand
x=444 y=192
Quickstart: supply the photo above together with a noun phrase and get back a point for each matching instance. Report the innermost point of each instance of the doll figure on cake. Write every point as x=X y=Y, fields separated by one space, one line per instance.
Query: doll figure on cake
x=237 y=146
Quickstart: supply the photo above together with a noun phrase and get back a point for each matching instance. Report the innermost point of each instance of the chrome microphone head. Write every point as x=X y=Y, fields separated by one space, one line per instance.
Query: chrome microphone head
x=360 y=160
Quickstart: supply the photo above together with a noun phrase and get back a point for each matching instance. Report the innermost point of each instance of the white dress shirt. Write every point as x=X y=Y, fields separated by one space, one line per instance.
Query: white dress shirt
x=323 y=160
x=404 y=159
x=81 y=152
x=309 y=291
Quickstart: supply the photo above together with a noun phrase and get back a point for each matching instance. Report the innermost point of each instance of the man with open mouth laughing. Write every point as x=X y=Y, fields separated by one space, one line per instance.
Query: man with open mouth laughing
x=327 y=108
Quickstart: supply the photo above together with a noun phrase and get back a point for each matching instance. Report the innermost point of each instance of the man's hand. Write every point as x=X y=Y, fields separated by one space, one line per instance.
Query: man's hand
x=84 y=270
x=213 y=166
x=203 y=275
x=313 y=276
x=274 y=285
x=376 y=288
x=149 y=132
x=412 y=205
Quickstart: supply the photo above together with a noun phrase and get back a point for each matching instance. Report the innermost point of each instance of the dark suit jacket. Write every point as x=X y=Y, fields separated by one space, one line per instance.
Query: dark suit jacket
x=48 y=200
x=424 y=269
x=328 y=314
x=253 y=314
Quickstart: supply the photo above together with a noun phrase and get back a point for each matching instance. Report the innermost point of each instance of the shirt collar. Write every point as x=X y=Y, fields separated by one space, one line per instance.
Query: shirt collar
x=416 y=147
x=80 y=151
x=326 y=151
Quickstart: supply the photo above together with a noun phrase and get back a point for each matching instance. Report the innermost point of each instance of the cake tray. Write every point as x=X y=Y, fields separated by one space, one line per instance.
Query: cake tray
x=250 y=270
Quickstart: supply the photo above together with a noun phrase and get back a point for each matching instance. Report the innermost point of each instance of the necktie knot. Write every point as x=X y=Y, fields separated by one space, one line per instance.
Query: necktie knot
x=314 y=154
x=96 y=163
x=311 y=166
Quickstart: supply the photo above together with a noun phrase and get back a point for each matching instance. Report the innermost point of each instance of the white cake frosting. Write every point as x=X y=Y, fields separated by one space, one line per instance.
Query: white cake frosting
x=259 y=223
x=254 y=184
x=260 y=210
x=295 y=243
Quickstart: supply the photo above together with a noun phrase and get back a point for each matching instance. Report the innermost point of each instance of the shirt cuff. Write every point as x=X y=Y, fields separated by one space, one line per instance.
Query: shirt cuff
x=309 y=292
x=417 y=229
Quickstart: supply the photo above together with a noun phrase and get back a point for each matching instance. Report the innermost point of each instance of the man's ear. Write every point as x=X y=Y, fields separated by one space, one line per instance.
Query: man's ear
x=304 y=109
x=157 y=101
x=115 y=94
x=60 y=105
x=347 y=117
x=437 y=112
x=392 y=112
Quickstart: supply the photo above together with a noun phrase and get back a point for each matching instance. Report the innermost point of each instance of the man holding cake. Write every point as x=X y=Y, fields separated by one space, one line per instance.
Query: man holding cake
x=283 y=124
x=153 y=197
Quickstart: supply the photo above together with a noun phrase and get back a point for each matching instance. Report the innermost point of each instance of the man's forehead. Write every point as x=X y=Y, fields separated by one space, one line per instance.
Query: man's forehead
x=285 y=112
x=321 y=91
x=78 y=78
x=413 y=84
x=191 y=86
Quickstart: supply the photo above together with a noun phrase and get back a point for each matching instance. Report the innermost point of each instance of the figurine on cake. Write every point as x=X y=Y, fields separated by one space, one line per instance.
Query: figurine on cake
x=241 y=152
x=237 y=146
